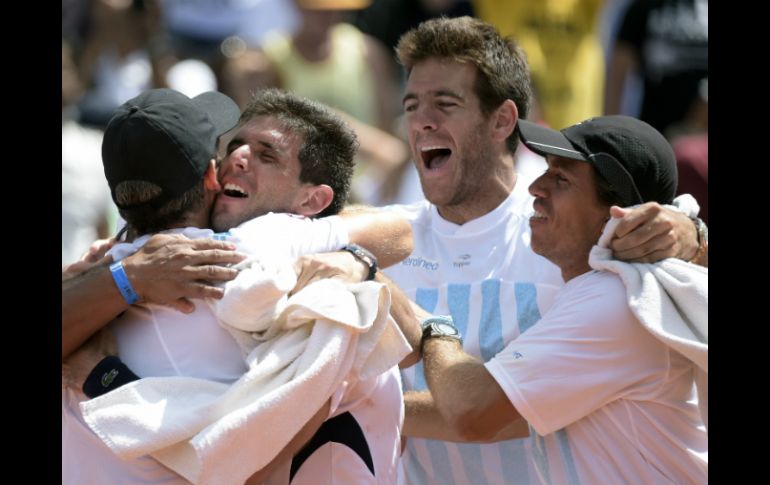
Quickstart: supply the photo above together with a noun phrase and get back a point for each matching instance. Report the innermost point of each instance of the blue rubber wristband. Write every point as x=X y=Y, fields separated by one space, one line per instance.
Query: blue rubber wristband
x=121 y=281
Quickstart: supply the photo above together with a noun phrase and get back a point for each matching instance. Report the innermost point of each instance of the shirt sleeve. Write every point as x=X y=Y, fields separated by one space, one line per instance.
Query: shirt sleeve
x=291 y=236
x=585 y=352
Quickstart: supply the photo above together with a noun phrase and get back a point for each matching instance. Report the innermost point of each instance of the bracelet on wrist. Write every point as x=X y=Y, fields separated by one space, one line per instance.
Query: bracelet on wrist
x=121 y=281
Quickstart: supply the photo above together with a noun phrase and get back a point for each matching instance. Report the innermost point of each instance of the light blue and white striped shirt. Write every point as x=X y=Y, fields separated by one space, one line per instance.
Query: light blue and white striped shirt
x=485 y=275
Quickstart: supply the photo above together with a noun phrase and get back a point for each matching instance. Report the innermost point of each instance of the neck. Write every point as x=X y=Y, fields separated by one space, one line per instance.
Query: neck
x=567 y=275
x=574 y=268
x=190 y=220
x=198 y=217
x=471 y=210
x=485 y=199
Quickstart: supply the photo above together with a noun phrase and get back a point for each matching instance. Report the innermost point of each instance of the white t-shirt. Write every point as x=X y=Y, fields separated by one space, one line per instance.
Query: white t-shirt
x=157 y=341
x=609 y=402
x=485 y=275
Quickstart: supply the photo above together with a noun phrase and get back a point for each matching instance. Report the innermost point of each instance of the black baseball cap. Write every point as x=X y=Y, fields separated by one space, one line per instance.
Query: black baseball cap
x=166 y=138
x=631 y=155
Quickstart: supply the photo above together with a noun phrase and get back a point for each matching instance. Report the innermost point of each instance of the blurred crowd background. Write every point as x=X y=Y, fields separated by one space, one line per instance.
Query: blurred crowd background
x=644 y=58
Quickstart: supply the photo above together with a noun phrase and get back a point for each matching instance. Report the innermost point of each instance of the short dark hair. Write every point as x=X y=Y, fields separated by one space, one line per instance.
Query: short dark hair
x=328 y=144
x=502 y=67
x=604 y=189
x=149 y=218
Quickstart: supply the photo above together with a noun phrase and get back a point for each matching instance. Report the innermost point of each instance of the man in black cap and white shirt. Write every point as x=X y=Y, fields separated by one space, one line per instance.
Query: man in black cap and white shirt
x=606 y=402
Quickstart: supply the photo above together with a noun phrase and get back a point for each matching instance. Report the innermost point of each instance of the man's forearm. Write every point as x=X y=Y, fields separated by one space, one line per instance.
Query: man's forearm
x=409 y=323
x=466 y=394
x=88 y=302
x=650 y=233
x=423 y=420
x=385 y=233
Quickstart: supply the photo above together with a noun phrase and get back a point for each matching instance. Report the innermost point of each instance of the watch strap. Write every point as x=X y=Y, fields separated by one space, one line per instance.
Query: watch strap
x=364 y=256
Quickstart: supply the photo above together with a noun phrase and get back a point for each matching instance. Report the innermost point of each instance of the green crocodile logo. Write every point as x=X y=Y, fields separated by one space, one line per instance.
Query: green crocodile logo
x=108 y=377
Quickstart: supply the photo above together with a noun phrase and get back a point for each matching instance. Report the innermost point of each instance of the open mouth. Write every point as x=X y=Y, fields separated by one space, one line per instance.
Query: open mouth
x=234 y=190
x=434 y=157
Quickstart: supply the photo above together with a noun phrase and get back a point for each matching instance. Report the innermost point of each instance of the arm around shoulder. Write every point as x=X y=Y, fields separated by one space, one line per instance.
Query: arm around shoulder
x=385 y=233
x=651 y=232
x=168 y=270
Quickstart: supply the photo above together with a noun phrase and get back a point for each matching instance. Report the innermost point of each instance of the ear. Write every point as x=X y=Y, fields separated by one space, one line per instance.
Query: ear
x=210 y=181
x=504 y=120
x=314 y=199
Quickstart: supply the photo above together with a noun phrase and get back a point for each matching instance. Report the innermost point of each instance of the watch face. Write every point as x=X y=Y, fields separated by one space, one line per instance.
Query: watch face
x=444 y=329
x=439 y=326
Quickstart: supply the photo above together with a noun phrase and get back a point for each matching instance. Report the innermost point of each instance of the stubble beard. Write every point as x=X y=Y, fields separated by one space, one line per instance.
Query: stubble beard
x=477 y=163
x=228 y=220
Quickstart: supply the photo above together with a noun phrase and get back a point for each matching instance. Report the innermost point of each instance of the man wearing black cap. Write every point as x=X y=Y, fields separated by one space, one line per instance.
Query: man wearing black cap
x=143 y=190
x=606 y=401
x=163 y=125
x=158 y=152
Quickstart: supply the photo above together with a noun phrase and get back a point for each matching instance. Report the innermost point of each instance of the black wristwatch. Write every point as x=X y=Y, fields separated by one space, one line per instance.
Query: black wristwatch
x=439 y=326
x=365 y=256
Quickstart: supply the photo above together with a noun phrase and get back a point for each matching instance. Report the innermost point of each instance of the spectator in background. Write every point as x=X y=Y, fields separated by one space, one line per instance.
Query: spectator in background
x=116 y=63
x=666 y=41
x=212 y=31
x=690 y=140
x=564 y=52
x=86 y=208
x=388 y=20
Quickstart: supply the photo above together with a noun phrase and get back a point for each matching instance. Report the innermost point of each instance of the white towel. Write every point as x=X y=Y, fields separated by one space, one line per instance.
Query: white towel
x=669 y=298
x=210 y=432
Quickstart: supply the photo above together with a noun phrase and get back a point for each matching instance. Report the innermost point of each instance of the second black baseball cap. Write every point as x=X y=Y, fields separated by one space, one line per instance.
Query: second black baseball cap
x=165 y=138
x=631 y=155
